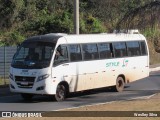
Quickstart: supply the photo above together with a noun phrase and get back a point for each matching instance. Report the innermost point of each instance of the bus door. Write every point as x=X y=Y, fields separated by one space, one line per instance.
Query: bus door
x=63 y=70
x=75 y=59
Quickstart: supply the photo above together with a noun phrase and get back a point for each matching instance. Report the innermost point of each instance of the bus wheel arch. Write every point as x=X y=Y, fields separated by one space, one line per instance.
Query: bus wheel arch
x=62 y=91
x=123 y=76
x=120 y=82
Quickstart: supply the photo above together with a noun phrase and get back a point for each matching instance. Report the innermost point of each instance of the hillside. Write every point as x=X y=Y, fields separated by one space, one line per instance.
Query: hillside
x=23 y=18
x=154 y=56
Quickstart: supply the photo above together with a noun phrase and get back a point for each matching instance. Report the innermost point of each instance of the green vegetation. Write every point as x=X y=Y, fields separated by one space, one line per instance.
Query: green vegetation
x=24 y=18
x=153 y=38
x=4 y=81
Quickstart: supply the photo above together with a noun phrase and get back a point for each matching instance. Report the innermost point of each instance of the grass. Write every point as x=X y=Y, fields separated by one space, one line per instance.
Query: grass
x=154 y=56
x=152 y=35
x=152 y=32
x=4 y=81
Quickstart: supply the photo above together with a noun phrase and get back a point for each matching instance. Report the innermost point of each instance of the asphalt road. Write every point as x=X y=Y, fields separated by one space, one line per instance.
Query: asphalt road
x=140 y=88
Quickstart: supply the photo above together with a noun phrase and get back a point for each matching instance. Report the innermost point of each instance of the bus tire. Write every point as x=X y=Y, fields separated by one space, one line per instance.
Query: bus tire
x=119 y=84
x=27 y=96
x=60 y=93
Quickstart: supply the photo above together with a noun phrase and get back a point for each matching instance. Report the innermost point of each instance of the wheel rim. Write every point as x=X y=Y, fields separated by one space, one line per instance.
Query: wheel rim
x=120 y=84
x=61 y=92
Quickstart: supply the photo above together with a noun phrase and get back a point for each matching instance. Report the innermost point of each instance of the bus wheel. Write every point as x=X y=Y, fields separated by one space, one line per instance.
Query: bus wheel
x=60 y=93
x=26 y=96
x=119 y=84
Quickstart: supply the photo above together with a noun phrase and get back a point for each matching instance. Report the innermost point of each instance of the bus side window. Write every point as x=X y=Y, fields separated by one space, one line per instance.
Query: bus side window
x=120 y=49
x=75 y=52
x=133 y=48
x=61 y=55
x=90 y=51
x=143 y=48
x=105 y=50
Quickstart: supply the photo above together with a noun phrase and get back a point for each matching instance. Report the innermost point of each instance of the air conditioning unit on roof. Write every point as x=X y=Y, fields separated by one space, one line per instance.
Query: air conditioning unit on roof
x=63 y=34
x=132 y=31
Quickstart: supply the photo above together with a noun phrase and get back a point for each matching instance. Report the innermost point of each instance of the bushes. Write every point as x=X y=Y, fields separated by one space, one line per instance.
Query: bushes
x=55 y=23
x=11 y=38
x=90 y=24
x=153 y=34
x=24 y=18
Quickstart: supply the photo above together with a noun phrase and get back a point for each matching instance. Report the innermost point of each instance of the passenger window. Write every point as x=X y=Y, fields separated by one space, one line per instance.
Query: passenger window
x=120 y=49
x=143 y=48
x=90 y=51
x=105 y=50
x=133 y=48
x=75 y=52
x=61 y=55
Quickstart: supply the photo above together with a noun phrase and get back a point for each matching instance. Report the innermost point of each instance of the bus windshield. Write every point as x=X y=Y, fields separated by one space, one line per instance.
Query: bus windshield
x=33 y=55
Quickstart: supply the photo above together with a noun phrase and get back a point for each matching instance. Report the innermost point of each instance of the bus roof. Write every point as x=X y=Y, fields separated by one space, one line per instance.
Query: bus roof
x=87 y=38
x=93 y=38
x=52 y=37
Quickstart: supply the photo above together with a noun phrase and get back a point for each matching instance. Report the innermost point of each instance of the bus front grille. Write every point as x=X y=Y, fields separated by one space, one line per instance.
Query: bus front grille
x=24 y=82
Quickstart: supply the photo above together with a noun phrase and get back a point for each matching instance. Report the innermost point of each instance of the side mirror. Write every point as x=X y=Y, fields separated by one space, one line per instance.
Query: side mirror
x=18 y=45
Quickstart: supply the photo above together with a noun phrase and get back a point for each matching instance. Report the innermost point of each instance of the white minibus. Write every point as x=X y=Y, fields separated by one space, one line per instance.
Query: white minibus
x=57 y=64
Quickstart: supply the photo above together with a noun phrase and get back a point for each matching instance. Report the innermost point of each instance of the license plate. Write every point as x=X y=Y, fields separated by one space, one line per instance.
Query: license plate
x=24 y=83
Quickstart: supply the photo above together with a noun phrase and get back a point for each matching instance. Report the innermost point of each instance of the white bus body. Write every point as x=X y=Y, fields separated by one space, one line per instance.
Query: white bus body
x=89 y=62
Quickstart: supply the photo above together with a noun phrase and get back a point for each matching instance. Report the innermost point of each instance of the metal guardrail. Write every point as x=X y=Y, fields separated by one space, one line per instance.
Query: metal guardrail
x=6 y=55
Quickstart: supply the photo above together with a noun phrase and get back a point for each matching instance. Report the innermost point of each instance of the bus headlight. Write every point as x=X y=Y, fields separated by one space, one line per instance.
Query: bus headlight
x=11 y=76
x=42 y=77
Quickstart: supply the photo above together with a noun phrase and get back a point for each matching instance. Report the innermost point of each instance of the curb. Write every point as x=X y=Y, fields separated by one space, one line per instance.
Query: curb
x=154 y=69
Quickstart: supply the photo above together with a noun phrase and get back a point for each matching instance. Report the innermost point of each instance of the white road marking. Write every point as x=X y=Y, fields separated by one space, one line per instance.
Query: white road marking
x=142 y=97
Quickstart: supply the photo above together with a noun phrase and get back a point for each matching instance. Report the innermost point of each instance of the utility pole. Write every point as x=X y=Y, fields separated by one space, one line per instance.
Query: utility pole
x=76 y=17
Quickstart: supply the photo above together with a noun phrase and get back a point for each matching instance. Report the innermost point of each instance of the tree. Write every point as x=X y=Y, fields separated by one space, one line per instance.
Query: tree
x=23 y=18
x=6 y=8
x=141 y=16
